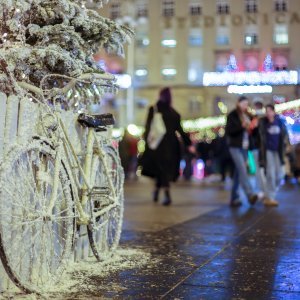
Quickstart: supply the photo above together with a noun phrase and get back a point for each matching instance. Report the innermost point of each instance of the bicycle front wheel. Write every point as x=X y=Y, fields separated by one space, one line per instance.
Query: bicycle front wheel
x=104 y=234
x=34 y=245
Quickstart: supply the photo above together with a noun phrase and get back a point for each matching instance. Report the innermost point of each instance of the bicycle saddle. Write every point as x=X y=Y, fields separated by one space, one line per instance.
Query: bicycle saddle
x=99 y=122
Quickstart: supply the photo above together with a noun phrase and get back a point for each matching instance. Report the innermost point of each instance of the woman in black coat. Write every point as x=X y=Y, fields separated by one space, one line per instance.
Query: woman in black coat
x=162 y=164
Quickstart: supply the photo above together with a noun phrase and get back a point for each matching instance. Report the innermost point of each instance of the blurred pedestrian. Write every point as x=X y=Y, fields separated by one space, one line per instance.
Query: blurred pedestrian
x=296 y=166
x=223 y=157
x=236 y=130
x=273 y=135
x=255 y=146
x=128 y=154
x=124 y=151
x=163 y=163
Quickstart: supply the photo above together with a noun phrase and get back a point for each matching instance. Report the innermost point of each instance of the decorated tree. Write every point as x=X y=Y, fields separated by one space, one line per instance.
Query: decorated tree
x=39 y=38
x=232 y=64
x=268 y=63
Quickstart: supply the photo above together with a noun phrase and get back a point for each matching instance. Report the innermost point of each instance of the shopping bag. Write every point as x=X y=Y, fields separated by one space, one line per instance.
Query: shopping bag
x=251 y=163
x=157 y=130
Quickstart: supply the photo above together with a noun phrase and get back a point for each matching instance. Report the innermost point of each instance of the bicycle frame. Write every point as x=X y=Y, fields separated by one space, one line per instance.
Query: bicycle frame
x=66 y=149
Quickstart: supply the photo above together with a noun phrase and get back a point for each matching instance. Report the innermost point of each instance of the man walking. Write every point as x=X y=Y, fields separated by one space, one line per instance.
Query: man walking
x=273 y=137
x=236 y=130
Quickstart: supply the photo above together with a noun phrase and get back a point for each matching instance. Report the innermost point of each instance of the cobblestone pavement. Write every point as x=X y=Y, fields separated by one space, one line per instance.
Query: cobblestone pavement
x=202 y=249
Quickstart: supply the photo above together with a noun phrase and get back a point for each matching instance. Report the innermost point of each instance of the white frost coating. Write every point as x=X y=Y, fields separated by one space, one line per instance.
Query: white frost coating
x=81 y=274
x=28 y=120
x=21 y=211
x=3 y=99
x=45 y=48
x=11 y=121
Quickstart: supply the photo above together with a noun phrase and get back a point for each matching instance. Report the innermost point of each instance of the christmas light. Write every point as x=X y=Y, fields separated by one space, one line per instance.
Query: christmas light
x=169 y=43
x=123 y=81
x=232 y=64
x=169 y=72
x=220 y=121
x=250 y=78
x=249 y=89
x=268 y=63
x=141 y=72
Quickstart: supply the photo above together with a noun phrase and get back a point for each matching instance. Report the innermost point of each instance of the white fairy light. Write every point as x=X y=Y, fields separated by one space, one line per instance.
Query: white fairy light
x=249 y=89
x=250 y=78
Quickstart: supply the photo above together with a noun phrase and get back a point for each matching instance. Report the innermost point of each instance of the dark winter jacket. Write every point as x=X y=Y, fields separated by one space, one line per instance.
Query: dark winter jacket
x=163 y=162
x=283 y=139
x=254 y=139
x=234 y=130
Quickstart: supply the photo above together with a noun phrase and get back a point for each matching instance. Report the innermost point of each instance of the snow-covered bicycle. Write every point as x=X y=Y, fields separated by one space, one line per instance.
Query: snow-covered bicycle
x=48 y=191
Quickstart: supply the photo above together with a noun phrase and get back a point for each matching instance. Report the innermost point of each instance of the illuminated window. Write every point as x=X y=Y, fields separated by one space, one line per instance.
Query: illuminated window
x=195 y=8
x=142 y=9
x=280 y=5
x=223 y=7
x=169 y=43
x=142 y=41
x=251 y=39
x=251 y=6
x=221 y=60
x=194 y=71
x=168 y=8
x=195 y=37
x=169 y=73
x=223 y=36
x=281 y=35
x=115 y=10
x=141 y=73
x=281 y=59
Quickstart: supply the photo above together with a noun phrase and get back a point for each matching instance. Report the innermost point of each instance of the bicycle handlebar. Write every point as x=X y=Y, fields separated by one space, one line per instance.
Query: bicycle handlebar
x=83 y=77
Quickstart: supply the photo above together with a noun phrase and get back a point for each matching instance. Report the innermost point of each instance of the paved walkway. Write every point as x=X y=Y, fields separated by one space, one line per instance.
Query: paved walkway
x=202 y=249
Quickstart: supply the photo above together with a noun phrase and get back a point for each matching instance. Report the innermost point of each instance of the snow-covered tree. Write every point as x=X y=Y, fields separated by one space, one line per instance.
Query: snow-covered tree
x=43 y=37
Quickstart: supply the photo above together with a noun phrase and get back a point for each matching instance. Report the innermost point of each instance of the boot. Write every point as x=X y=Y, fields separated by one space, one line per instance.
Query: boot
x=155 y=195
x=167 y=200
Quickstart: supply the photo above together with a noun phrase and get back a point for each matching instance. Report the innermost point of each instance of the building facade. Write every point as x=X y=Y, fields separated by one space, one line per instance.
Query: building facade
x=207 y=50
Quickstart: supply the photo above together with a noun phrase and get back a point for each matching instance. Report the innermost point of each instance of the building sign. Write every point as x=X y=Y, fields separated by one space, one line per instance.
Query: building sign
x=250 y=78
x=248 y=19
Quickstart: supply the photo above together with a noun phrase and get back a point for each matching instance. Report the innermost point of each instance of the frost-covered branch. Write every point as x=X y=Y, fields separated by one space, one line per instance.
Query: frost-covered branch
x=38 y=38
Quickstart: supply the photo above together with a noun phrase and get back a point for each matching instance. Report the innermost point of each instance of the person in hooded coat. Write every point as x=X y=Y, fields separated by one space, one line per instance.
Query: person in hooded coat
x=163 y=163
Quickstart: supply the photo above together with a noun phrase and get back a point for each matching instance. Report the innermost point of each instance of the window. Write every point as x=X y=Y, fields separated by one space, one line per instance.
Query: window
x=169 y=43
x=141 y=73
x=169 y=73
x=169 y=38
x=115 y=11
x=280 y=59
x=142 y=40
x=251 y=6
x=195 y=8
x=251 y=60
x=194 y=71
x=281 y=35
x=195 y=37
x=142 y=9
x=223 y=36
x=280 y=5
x=221 y=59
x=168 y=8
x=223 y=7
x=251 y=39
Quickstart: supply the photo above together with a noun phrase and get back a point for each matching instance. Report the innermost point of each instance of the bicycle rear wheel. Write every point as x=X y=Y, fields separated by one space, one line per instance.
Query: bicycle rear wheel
x=34 y=247
x=104 y=234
